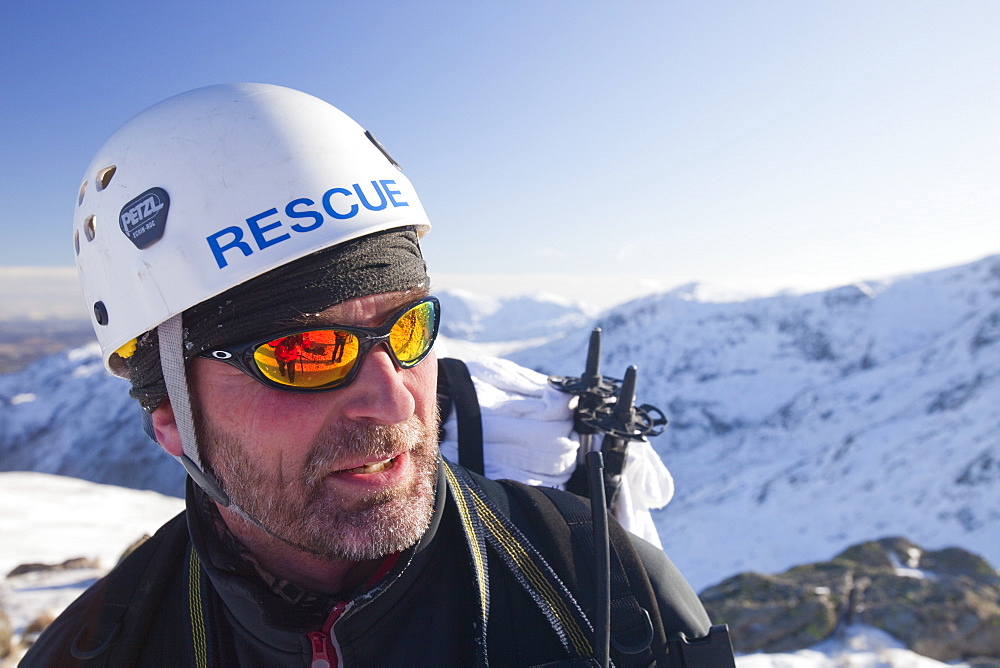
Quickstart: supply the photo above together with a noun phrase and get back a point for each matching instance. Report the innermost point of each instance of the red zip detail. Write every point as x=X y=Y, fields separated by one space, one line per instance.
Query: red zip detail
x=323 y=653
x=322 y=657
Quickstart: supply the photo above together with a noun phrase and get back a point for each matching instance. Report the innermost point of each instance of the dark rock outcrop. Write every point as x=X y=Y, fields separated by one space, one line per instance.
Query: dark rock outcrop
x=944 y=604
x=69 y=564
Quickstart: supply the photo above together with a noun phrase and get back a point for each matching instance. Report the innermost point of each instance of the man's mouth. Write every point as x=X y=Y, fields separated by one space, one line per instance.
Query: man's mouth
x=371 y=467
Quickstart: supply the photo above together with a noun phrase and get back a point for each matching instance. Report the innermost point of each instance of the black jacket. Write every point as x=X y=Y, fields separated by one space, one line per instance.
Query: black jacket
x=183 y=599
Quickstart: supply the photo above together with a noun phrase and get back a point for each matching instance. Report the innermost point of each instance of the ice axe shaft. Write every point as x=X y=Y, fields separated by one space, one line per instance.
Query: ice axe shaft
x=614 y=447
x=602 y=558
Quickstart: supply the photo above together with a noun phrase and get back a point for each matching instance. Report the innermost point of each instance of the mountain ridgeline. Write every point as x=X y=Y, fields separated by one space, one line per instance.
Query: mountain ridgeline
x=799 y=424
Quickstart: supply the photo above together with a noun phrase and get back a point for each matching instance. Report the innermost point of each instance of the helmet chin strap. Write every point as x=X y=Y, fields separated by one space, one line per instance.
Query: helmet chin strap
x=171 y=335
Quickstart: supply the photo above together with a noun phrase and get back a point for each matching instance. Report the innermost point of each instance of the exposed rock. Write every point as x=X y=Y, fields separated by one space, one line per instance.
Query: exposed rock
x=954 y=397
x=6 y=635
x=983 y=662
x=775 y=613
x=944 y=604
x=39 y=623
x=983 y=470
x=69 y=564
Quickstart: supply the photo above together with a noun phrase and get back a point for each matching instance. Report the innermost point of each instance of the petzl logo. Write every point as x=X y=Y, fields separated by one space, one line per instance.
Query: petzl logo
x=143 y=219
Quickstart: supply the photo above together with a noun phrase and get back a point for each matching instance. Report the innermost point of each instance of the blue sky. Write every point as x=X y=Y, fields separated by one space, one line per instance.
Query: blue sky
x=742 y=143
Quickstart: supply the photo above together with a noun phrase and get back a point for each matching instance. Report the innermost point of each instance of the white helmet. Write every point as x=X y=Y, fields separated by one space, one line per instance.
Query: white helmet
x=207 y=190
x=215 y=186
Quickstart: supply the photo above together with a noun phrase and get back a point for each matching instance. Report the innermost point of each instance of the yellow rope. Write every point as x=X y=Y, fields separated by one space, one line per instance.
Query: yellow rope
x=197 y=615
x=478 y=558
x=537 y=578
x=522 y=559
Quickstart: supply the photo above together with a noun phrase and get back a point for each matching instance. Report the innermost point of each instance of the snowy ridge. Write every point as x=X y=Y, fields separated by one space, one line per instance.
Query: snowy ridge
x=66 y=415
x=799 y=424
x=802 y=424
x=478 y=318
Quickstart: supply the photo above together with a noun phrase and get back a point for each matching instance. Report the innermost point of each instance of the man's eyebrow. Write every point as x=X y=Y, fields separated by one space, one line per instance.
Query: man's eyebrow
x=407 y=297
x=404 y=299
x=397 y=302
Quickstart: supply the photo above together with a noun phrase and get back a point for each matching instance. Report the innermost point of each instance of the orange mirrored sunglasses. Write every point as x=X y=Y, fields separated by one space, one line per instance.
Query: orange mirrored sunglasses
x=320 y=360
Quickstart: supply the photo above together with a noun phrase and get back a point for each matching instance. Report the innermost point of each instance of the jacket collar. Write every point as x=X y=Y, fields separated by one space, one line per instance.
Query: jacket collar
x=275 y=611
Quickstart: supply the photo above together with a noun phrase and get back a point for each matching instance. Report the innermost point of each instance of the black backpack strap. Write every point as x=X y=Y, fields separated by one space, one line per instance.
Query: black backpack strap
x=455 y=388
x=714 y=650
x=146 y=580
x=486 y=524
x=637 y=636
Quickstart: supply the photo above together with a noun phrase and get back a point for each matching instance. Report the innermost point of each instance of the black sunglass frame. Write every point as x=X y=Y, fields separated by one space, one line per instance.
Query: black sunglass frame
x=241 y=356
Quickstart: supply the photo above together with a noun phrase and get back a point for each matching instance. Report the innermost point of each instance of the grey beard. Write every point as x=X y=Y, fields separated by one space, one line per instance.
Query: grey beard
x=301 y=513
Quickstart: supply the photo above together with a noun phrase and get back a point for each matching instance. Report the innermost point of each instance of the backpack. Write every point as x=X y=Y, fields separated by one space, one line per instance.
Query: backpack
x=569 y=526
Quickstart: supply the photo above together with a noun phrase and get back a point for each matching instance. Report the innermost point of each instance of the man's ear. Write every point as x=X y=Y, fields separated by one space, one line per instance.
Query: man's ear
x=165 y=428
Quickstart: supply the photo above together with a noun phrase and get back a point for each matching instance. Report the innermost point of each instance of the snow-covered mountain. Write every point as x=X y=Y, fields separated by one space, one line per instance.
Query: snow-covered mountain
x=802 y=424
x=473 y=317
x=66 y=415
x=799 y=424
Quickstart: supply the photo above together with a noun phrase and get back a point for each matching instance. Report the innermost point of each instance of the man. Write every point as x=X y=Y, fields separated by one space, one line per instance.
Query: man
x=322 y=527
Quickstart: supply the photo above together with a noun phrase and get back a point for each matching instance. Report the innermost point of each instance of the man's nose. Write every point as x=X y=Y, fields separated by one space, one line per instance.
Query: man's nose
x=378 y=394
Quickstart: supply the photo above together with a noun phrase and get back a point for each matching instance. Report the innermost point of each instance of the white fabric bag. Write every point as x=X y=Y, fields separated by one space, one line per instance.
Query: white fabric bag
x=528 y=436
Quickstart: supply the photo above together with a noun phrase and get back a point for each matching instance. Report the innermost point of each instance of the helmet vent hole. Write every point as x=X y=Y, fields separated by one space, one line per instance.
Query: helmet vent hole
x=83 y=189
x=76 y=241
x=90 y=227
x=104 y=177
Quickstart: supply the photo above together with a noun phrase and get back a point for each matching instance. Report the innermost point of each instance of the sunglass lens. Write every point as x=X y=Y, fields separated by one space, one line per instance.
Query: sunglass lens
x=310 y=359
x=412 y=335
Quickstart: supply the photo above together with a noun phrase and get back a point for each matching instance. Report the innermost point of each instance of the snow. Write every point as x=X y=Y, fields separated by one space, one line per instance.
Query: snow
x=910 y=570
x=856 y=647
x=49 y=519
x=53 y=518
